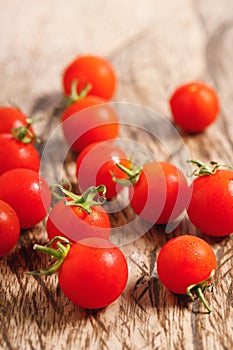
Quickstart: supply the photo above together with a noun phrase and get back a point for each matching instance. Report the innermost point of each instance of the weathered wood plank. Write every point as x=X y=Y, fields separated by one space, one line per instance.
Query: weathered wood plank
x=154 y=46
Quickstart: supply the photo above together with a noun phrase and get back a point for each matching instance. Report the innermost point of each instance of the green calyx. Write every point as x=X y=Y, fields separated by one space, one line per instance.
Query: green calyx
x=198 y=289
x=23 y=133
x=133 y=175
x=59 y=254
x=74 y=95
x=87 y=199
x=208 y=168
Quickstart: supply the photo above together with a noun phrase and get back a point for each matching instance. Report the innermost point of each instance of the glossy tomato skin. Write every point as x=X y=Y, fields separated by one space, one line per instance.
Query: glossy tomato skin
x=89 y=120
x=16 y=154
x=94 y=274
x=211 y=205
x=161 y=193
x=96 y=165
x=194 y=106
x=75 y=223
x=11 y=117
x=27 y=193
x=89 y=69
x=9 y=228
x=183 y=261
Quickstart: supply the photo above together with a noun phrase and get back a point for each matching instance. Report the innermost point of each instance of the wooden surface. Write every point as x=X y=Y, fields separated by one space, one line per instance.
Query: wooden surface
x=154 y=46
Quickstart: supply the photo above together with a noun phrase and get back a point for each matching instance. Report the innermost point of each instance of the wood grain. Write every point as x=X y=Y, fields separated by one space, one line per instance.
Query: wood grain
x=154 y=46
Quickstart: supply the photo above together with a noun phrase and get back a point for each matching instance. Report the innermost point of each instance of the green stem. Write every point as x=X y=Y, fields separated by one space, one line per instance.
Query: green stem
x=133 y=175
x=74 y=95
x=199 y=288
x=87 y=199
x=208 y=168
x=23 y=133
x=53 y=252
x=202 y=298
x=60 y=254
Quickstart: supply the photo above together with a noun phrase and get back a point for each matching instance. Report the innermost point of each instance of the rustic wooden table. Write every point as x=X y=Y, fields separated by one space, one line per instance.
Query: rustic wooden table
x=154 y=46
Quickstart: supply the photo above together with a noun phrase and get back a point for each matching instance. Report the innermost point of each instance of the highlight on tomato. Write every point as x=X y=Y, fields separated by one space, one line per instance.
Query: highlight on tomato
x=211 y=205
x=93 y=71
x=194 y=106
x=92 y=273
x=28 y=193
x=96 y=164
x=186 y=265
x=9 y=228
x=158 y=191
x=79 y=216
x=89 y=120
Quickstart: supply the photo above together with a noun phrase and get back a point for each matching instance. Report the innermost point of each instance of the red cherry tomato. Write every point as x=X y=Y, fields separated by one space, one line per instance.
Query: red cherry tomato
x=211 y=205
x=27 y=193
x=184 y=261
x=83 y=125
x=9 y=228
x=12 y=118
x=93 y=70
x=74 y=223
x=94 y=273
x=194 y=106
x=160 y=194
x=16 y=154
x=96 y=164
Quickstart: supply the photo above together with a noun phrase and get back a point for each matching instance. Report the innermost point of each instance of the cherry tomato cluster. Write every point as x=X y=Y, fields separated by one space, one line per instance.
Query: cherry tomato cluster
x=95 y=272
x=92 y=272
x=24 y=193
